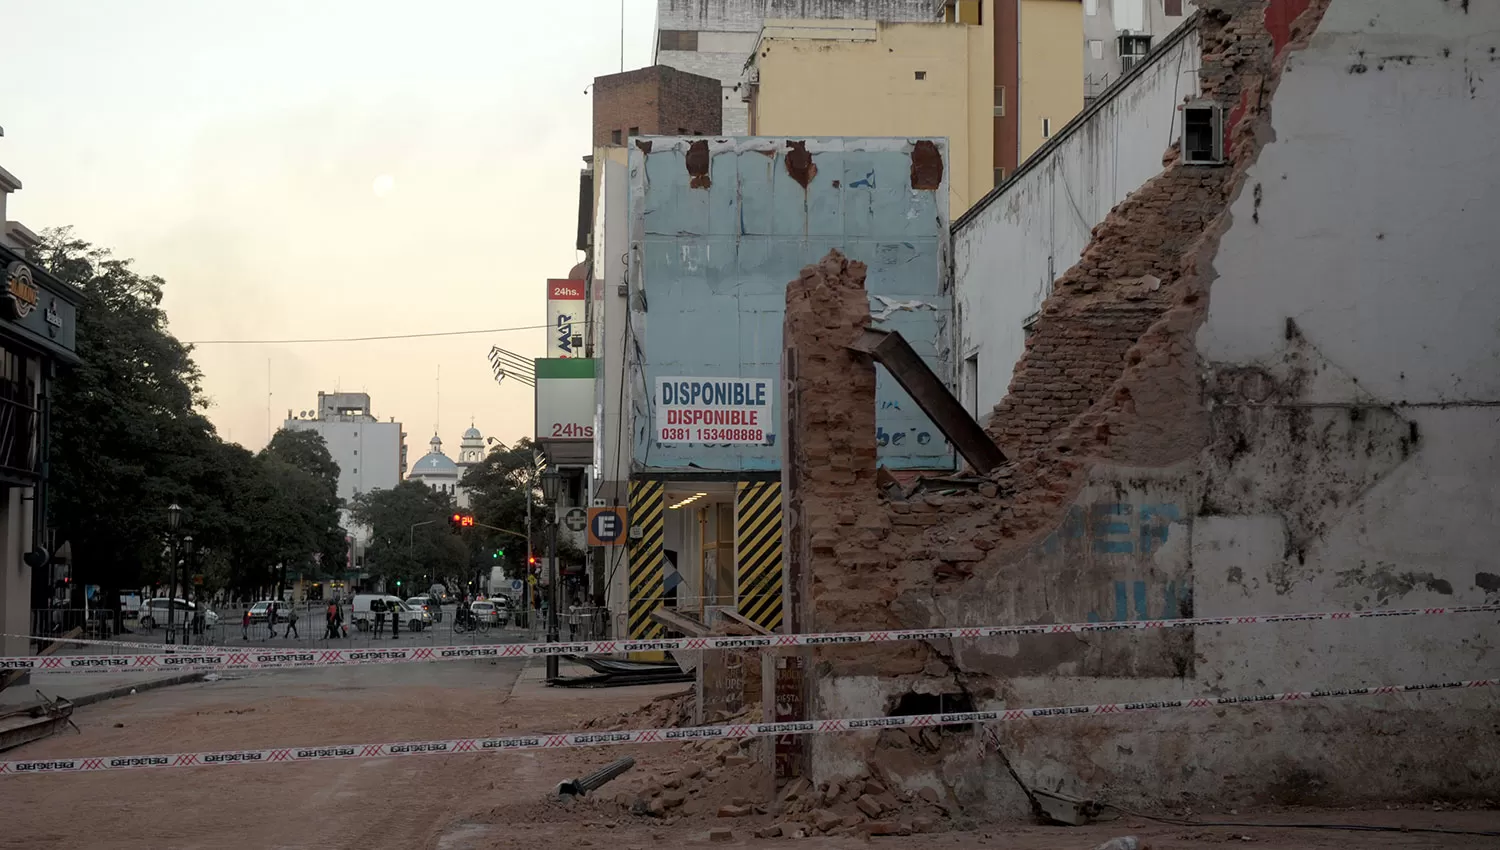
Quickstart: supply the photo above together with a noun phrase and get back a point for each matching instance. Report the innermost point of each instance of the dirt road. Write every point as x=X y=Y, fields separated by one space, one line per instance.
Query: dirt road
x=465 y=802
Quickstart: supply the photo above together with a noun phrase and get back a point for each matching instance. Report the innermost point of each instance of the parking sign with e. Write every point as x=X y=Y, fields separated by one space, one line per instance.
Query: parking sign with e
x=606 y=526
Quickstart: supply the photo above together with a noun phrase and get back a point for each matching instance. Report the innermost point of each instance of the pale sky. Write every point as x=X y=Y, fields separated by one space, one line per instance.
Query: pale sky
x=322 y=168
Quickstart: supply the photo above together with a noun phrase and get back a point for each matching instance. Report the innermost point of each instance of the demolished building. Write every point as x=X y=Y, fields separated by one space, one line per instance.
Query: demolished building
x=1268 y=385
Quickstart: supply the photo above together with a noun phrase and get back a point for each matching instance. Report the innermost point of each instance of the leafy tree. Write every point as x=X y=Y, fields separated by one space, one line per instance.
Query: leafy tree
x=314 y=519
x=497 y=488
x=397 y=550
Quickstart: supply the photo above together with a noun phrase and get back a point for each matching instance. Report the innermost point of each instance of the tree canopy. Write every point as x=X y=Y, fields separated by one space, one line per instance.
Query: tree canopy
x=410 y=538
x=130 y=437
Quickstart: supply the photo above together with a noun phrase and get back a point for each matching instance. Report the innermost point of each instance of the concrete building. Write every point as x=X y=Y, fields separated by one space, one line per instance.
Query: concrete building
x=1259 y=381
x=707 y=233
x=371 y=454
x=713 y=38
x=1119 y=33
x=38 y=336
x=654 y=101
x=996 y=78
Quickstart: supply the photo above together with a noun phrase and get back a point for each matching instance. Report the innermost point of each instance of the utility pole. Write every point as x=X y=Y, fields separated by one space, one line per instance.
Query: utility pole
x=553 y=631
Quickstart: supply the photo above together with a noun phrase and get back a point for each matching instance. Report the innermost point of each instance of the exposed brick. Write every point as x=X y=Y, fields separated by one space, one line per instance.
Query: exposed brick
x=657 y=101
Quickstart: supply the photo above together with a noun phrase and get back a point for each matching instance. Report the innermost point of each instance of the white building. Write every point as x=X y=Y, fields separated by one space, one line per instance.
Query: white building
x=441 y=473
x=714 y=38
x=1119 y=33
x=371 y=454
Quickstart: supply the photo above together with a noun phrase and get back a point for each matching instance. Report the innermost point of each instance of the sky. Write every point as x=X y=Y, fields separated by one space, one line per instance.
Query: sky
x=322 y=168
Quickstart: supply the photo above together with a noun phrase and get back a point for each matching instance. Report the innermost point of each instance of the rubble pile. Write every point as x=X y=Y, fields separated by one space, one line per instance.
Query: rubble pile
x=663 y=712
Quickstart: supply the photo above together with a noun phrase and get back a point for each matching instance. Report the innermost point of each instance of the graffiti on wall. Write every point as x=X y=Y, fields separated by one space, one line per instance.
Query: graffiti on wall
x=1125 y=529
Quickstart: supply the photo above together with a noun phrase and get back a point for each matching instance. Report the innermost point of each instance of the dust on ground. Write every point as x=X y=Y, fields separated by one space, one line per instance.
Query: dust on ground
x=504 y=801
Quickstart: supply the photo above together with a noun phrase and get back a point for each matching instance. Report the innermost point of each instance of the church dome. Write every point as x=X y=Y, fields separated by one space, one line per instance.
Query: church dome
x=473 y=434
x=434 y=464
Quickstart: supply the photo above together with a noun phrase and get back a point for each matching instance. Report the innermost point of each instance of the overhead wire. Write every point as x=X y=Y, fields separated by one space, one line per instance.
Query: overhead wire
x=380 y=338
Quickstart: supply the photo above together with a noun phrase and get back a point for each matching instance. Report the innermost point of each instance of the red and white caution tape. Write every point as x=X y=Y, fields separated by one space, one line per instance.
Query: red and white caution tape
x=559 y=740
x=223 y=658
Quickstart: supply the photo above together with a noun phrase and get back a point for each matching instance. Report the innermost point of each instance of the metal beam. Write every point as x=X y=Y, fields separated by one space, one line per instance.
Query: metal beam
x=890 y=349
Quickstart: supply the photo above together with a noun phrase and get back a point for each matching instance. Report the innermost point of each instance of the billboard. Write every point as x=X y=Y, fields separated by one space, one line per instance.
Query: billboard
x=714 y=253
x=565 y=303
x=565 y=400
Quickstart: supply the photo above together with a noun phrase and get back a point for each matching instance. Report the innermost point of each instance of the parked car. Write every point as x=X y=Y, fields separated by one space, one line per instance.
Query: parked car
x=155 y=611
x=487 y=611
x=428 y=604
x=366 y=605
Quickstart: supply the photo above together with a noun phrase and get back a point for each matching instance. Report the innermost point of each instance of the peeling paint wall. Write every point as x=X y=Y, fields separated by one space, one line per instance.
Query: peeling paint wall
x=723 y=224
x=1301 y=413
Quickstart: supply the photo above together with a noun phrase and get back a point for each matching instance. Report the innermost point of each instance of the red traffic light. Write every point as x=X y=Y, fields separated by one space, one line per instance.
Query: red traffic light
x=461 y=521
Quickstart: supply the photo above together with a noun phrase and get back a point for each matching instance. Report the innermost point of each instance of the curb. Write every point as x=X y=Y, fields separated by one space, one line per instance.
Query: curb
x=124 y=690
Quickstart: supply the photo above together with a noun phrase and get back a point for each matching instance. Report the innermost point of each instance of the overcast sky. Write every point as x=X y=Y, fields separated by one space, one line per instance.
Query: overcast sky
x=316 y=168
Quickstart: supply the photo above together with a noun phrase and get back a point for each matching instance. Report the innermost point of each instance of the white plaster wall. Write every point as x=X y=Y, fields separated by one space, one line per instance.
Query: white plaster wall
x=15 y=584
x=1379 y=246
x=1008 y=250
x=612 y=449
x=368 y=453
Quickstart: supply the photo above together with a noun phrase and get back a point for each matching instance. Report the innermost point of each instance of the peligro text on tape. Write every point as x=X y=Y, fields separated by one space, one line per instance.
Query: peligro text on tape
x=220 y=658
x=556 y=740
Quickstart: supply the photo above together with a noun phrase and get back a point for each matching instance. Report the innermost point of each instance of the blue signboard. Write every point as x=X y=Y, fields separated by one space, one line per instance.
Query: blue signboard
x=720 y=229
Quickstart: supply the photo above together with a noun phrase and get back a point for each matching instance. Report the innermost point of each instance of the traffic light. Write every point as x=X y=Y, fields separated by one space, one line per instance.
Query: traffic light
x=398 y=582
x=461 y=521
x=499 y=553
x=531 y=563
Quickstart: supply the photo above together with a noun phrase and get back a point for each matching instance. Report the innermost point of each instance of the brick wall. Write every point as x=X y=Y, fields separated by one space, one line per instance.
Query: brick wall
x=657 y=101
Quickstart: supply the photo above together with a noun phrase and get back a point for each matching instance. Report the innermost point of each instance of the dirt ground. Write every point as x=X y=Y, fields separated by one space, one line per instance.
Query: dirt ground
x=478 y=802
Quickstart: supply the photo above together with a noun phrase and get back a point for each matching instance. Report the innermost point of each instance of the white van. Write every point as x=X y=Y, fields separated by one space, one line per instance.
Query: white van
x=365 y=606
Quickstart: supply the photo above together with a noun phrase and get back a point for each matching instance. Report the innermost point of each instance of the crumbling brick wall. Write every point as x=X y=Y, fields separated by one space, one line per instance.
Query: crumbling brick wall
x=1110 y=375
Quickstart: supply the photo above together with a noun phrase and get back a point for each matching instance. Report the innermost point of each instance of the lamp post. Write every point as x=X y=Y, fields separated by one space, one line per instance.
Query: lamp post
x=174 y=521
x=187 y=555
x=551 y=487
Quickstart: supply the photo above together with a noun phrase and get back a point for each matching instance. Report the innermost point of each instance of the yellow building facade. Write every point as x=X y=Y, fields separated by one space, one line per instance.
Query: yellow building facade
x=995 y=77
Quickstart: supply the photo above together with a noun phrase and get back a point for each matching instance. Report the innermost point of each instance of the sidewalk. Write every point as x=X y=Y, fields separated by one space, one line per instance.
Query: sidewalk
x=88 y=688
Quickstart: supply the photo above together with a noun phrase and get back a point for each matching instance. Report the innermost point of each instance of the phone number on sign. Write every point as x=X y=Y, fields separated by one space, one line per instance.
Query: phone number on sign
x=712 y=435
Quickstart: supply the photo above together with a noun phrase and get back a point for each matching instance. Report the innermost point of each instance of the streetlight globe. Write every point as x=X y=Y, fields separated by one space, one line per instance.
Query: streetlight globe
x=551 y=485
x=174 y=516
x=187 y=545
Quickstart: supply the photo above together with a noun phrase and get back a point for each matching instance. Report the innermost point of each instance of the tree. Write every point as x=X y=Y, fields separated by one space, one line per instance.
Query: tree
x=397 y=550
x=315 y=518
x=497 y=488
x=127 y=430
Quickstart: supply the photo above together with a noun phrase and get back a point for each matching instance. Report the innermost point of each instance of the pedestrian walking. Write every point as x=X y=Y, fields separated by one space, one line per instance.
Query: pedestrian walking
x=271 y=619
x=291 y=623
x=395 y=622
x=245 y=625
x=573 y=622
x=379 y=606
x=332 y=630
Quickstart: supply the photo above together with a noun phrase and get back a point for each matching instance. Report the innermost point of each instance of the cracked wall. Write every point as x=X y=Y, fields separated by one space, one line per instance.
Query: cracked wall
x=1265 y=387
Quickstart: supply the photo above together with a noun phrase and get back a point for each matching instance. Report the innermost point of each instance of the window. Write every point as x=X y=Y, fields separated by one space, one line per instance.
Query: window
x=1174 y=8
x=635 y=131
x=682 y=131
x=1091 y=7
x=1133 y=48
x=1202 y=133
x=921 y=75
x=356 y=452
x=1046 y=128
x=686 y=40
x=1096 y=48
x=968 y=12
x=614 y=137
x=999 y=176
x=999 y=101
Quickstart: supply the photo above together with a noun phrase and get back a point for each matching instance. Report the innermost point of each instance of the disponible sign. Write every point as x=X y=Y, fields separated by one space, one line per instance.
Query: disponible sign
x=715 y=411
x=565 y=301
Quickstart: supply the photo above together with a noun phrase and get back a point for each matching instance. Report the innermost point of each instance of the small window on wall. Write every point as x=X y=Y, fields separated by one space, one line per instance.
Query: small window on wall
x=921 y=75
x=614 y=137
x=1046 y=128
x=1096 y=48
x=999 y=101
x=1174 y=8
x=1091 y=7
x=999 y=176
x=635 y=131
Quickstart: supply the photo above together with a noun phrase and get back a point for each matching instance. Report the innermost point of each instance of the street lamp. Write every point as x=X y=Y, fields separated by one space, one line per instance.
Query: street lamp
x=174 y=522
x=187 y=555
x=551 y=489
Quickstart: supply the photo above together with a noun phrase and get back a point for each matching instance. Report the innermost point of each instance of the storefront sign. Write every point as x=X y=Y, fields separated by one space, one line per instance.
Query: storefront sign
x=565 y=302
x=20 y=296
x=564 y=399
x=714 y=411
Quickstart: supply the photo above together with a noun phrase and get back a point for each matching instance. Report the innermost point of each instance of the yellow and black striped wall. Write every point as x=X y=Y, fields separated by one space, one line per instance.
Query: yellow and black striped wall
x=758 y=554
